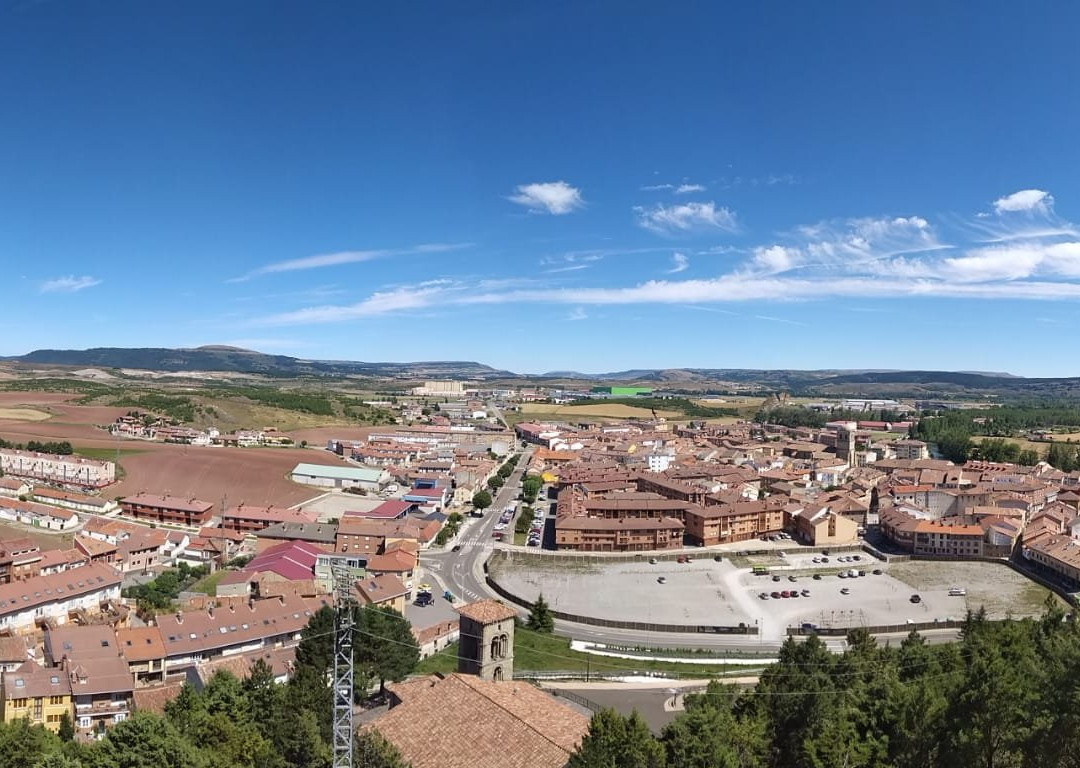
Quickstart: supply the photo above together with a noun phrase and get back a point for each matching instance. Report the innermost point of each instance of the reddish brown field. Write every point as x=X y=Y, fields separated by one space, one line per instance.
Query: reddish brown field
x=249 y=475
x=318 y=436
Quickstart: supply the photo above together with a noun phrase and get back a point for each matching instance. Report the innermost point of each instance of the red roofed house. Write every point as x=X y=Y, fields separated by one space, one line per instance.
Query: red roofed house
x=249 y=518
x=392 y=509
x=167 y=509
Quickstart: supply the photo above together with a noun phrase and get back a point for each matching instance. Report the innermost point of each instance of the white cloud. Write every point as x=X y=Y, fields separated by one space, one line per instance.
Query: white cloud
x=680 y=262
x=1025 y=200
x=339 y=258
x=578 y=313
x=686 y=217
x=555 y=197
x=864 y=259
x=685 y=189
x=69 y=284
x=657 y=187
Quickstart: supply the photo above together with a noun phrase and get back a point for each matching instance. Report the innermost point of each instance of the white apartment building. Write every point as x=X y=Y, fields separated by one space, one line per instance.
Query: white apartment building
x=62 y=470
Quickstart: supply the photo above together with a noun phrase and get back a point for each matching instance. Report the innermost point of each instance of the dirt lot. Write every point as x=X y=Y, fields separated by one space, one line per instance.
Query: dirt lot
x=249 y=475
x=999 y=589
x=603 y=410
x=23 y=414
x=45 y=541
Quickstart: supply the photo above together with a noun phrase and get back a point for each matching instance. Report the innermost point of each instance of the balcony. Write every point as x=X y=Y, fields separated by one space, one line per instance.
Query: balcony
x=102 y=707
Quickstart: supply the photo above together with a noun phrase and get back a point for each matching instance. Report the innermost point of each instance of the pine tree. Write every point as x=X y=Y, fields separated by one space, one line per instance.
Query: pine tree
x=541 y=618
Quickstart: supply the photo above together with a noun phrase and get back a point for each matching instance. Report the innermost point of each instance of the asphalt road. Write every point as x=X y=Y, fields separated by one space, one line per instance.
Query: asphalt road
x=462 y=572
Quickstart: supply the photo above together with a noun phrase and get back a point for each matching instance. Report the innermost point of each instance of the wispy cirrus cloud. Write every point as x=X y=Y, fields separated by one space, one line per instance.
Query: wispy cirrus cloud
x=680 y=262
x=69 y=284
x=656 y=187
x=339 y=258
x=555 y=197
x=578 y=313
x=683 y=218
x=685 y=189
x=868 y=258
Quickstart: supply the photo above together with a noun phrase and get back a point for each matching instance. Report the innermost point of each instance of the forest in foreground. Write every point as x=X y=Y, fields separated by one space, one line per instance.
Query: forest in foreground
x=1005 y=695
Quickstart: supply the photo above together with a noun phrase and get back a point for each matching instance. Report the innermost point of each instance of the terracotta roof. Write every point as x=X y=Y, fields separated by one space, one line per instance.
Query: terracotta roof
x=169 y=502
x=56 y=587
x=487 y=611
x=140 y=643
x=154 y=699
x=380 y=589
x=199 y=631
x=465 y=722
x=30 y=681
x=12 y=648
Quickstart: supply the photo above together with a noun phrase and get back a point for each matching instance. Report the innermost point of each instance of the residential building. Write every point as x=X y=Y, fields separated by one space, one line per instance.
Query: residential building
x=195 y=636
x=72 y=471
x=248 y=518
x=40 y=695
x=167 y=509
x=56 y=596
x=101 y=683
x=80 y=502
x=819 y=525
x=144 y=651
x=383 y=591
x=323 y=535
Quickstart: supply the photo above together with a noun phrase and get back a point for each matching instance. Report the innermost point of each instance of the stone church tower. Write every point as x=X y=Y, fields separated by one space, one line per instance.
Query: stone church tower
x=487 y=640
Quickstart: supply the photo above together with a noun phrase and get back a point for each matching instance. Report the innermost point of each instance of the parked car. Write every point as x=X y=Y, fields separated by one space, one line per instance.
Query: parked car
x=916 y=599
x=845 y=591
x=776 y=577
x=792 y=578
x=785 y=593
x=878 y=571
x=817 y=577
x=764 y=595
x=806 y=593
x=661 y=579
x=775 y=595
x=957 y=592
x=652 y=561
x=424 y=598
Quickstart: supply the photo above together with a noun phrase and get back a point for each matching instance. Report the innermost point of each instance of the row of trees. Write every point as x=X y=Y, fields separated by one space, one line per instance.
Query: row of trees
x=62 y=448
x=1003 y=696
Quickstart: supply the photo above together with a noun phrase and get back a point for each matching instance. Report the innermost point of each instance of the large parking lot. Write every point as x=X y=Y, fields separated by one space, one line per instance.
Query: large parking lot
x=727 y=593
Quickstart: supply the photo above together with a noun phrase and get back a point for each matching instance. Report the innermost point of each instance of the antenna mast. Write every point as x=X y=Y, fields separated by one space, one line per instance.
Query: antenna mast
x=343 y=665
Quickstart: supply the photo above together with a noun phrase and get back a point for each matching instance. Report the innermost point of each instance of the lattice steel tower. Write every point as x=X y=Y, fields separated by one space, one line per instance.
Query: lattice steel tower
x=343 y=666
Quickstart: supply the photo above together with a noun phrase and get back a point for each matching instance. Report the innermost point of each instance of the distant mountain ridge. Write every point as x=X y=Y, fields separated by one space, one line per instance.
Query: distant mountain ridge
x=216 y=358
x=824 y=382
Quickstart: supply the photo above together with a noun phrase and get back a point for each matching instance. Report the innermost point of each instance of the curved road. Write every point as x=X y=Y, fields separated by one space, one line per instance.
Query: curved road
x=462 y=573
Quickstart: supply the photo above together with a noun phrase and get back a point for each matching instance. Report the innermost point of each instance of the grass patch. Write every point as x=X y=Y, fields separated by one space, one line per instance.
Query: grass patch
x=105 y=454
x=548 y=653
x=443 y=663
x=208 y=584
x=537 y=652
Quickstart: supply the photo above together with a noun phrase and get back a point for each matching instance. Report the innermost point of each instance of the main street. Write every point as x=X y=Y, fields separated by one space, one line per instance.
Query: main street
x=462 y=571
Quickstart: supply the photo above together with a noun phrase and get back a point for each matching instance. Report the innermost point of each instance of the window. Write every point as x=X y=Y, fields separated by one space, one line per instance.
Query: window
x=56 y=700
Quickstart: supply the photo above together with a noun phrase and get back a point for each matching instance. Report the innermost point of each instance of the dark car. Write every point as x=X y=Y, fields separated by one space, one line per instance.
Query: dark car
x=776 y=577
x=916 y=599
x=424 y=598
x=457 y=548
x=817 y=577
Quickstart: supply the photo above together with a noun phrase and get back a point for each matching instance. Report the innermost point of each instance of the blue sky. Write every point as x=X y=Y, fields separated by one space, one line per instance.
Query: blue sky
x=572 y=185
